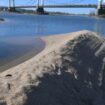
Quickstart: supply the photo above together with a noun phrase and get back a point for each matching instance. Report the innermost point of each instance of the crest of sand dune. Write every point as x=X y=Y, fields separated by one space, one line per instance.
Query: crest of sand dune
x=69 y=71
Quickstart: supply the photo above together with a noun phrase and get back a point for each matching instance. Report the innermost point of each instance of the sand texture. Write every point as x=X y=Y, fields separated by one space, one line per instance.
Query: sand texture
x=69 y=71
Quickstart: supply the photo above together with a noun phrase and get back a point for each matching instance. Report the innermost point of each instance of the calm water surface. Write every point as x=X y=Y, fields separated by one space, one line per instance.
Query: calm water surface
x=18 y=32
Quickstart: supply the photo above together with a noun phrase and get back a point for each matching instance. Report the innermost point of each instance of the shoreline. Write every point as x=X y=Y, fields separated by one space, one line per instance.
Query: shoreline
x=55 y=14
x=50 y=43
x=23 y=58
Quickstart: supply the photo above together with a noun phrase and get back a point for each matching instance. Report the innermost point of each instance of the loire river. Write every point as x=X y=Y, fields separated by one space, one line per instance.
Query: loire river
x=18 y=32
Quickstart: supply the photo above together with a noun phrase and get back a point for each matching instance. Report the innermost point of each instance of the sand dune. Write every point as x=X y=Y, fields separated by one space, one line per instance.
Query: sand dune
x=69 y=71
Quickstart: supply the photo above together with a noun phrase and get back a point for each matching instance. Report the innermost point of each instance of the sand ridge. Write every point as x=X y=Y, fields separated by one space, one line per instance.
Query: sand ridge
x=68 y=71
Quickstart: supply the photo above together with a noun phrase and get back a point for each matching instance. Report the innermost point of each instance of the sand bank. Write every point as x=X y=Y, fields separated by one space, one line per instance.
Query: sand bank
x=69 y=71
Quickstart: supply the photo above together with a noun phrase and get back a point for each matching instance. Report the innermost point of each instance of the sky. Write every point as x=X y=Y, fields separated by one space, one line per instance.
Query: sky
x=68 y=10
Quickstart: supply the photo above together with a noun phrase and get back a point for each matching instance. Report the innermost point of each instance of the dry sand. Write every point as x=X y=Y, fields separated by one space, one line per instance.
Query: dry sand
x=69 y=71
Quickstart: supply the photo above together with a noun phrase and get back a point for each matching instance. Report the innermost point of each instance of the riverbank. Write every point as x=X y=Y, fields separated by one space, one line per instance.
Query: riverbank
x=70 y=70
x=33 y=12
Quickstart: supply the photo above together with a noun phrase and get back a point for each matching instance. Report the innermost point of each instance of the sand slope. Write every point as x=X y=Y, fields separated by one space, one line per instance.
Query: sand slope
x=69 y=71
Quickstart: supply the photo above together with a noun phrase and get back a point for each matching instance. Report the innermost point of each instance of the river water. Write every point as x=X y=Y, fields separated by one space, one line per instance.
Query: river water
x=18 y=32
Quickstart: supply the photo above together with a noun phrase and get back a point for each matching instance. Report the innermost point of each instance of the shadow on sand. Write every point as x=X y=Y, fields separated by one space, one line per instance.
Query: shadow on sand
x=84 y=86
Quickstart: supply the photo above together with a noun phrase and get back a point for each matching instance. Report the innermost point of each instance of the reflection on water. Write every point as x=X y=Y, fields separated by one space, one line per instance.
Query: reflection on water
x=98 y=27
x=37 y=25
x=17 y=32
